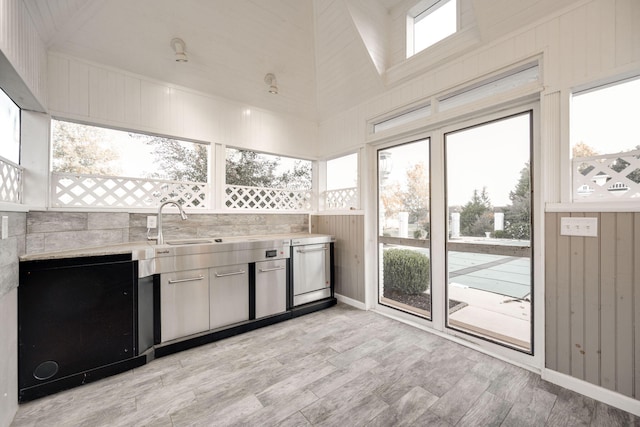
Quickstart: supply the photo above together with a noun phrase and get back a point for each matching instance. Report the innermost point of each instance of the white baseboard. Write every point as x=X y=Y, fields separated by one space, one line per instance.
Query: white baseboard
x=593 y=391
x=350 y=301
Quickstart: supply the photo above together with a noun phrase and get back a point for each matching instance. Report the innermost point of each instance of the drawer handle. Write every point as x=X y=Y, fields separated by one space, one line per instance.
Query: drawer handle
x=190 y=279
x=265 y=270
x=230 y=274
x=303 y=251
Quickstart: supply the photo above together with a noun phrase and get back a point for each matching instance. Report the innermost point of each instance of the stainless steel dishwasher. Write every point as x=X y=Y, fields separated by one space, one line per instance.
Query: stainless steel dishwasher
x=311 y=265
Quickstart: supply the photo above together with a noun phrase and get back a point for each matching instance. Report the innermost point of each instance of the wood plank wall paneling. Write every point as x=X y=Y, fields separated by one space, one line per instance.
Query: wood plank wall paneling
x=348 y=231
x=593 y=301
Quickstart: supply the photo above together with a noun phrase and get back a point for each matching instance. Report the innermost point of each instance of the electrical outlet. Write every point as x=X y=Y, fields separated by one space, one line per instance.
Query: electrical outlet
x=586 y=227
x=5 y=227
x=152 y=221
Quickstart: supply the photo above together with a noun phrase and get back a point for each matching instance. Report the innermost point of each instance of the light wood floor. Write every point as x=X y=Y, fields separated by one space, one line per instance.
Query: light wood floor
x=337 y=367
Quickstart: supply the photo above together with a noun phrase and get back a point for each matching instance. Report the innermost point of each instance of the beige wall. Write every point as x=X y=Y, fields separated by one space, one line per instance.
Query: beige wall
x=348 y=231
x=592 y=295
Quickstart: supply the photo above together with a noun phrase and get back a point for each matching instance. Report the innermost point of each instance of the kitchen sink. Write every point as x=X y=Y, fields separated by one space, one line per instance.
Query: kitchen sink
x=190 y=254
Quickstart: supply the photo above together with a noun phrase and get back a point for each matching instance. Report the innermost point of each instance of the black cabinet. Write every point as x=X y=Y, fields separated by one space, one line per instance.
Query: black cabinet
x=77 y=322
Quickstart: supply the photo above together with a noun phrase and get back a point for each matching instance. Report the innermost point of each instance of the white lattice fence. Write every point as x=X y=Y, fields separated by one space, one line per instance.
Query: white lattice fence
x=10 y=181
x=607 y=176
x=241 y=197
x=343 y=198
x=73 y=190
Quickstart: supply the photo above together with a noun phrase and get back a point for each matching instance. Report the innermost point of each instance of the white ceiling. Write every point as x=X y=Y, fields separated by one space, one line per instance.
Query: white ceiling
x=321 y=61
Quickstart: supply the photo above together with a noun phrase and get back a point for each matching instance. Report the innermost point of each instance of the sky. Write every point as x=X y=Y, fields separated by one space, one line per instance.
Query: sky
x=607 y=119
x=9 y=129
x=491 y=155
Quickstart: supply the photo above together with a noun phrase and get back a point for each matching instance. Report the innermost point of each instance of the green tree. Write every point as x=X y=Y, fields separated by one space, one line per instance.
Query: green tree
x=472 y=217
x=619 y=165
x=179 y=160
x=517 y=216
x=82 y=149
x=416 y=197
x=581 y=149
x=298 y=178
x=249 y=168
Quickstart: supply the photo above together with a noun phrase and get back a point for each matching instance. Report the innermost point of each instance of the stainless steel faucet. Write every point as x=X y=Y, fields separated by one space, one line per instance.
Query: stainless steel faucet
x=160 y=238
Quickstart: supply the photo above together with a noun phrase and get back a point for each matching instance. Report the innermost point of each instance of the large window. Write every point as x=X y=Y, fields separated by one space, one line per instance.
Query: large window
x=428 y=23
x=342 y=183
x=9 y=129
x=84 y=149
x=605 y=147
x=10 y=171
x=265 y=181
x=98 y=167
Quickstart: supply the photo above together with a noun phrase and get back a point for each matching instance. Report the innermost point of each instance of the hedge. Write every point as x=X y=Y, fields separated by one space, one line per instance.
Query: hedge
x=406 y=271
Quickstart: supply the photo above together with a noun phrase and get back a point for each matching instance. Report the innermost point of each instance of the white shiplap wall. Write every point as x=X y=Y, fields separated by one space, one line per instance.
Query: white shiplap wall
x=90 y=92
x=573 y=53
x=22 y=47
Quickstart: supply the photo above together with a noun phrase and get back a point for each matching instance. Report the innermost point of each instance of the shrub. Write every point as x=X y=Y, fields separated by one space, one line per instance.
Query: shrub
x=500 y=234
x=405 y=271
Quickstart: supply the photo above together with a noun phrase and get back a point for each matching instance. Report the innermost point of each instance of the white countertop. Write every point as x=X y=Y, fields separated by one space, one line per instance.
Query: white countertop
x=148 y=248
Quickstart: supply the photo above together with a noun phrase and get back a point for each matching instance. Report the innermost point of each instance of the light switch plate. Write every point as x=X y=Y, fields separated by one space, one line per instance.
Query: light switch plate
x=5 y=227
x=585 y=227
x=152 y=221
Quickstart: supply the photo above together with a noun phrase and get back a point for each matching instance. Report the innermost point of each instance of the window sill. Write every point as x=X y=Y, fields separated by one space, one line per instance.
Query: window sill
x=339 y=212
x=611 y=206
x=13 y=207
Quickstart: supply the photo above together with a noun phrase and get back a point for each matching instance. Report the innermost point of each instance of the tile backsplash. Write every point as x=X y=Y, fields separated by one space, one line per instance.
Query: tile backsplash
x=11 y=247
x=48 y=231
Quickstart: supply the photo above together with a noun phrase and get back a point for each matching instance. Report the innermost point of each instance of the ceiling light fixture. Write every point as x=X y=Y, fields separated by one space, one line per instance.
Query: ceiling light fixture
x=179 y=47
x=270 y=79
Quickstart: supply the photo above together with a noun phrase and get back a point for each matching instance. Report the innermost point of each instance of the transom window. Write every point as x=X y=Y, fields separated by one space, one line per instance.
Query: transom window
x=429 y=22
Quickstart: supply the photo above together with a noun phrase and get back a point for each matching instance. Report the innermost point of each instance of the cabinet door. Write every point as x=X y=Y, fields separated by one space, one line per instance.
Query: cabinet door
x=184 y=303
x=228 y=295
x=271 y=287
x=72 y=319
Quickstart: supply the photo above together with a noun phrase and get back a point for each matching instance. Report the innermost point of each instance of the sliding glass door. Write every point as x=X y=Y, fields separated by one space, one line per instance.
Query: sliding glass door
x=477 y=263
x=488 y=250
x=404 y=227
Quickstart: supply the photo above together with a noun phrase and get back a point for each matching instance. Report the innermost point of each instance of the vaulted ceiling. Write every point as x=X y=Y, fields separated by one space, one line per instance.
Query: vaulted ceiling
x=327 y=55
